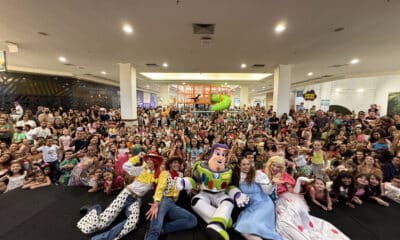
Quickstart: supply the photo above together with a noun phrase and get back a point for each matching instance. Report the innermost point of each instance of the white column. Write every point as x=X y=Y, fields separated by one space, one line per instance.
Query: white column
x=281 y=98
x=244 y=95
x=326 y=91
x=164 y=95
x=127 y=85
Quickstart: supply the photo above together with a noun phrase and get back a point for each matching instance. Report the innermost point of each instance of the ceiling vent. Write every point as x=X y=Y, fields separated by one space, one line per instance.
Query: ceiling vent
x=152 y=65
x=69 y=64
x=206 y=40
x=338 y=65
x=258 y=65
x=201 y=28
x=339 y=29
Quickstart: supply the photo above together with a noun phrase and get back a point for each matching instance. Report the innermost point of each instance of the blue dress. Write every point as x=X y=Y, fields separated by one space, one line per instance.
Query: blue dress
x=258 y=218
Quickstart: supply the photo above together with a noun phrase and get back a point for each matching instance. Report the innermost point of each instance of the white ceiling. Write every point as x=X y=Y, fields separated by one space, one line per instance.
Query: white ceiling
x=88 y=33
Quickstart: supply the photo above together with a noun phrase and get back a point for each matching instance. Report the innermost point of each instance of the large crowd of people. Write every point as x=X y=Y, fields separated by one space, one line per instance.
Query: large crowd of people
x=274 y=161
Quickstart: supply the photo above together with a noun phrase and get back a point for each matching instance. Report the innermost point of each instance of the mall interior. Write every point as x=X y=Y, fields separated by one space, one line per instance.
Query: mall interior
x=200 y=66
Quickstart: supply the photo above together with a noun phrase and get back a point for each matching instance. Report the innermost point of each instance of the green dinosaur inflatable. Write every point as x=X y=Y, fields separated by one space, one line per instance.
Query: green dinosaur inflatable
x=221 y=102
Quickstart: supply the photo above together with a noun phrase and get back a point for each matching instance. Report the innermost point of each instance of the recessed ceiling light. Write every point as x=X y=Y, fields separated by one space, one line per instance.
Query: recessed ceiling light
x=165 y=64
x=338 y=89
x=310 y=73
x=103 y=72
x=127 y=29
x=355 y=61
x=263 y=87
x=360 y=90
x=62 y=59
x=243 y=65
x=280 y=28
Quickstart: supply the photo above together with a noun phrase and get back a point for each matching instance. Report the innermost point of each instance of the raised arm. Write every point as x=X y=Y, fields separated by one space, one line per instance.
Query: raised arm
x=130 y=168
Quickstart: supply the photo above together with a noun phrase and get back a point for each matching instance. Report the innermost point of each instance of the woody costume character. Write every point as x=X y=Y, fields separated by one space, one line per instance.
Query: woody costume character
x=167 y=217
x=215 y=202
x=128 y=200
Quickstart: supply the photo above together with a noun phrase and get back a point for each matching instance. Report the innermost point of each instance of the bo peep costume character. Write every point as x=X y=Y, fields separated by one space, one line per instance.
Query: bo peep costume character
x=293 y=221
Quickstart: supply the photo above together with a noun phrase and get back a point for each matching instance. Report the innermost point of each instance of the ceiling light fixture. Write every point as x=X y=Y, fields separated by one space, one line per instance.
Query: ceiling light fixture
x=360 y=90
x=243 y=65
x=103 y=72
x=127 y=29
x=165 y=64
x=310 y=73
x=62 y=59
x=338 y=89
x=355 y=61
x=280 y=28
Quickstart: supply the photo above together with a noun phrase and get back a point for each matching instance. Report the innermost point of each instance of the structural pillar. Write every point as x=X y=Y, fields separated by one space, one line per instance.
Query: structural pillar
x=244 y=96
x=281 y=97
x=127 y=85
x=164 y=95
x=326 y=90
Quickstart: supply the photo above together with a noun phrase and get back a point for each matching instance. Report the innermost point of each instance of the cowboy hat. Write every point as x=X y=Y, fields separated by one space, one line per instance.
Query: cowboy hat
x=157 y=160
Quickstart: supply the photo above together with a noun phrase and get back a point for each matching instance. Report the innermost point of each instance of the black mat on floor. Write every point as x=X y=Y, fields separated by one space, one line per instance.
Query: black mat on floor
x=52 y=213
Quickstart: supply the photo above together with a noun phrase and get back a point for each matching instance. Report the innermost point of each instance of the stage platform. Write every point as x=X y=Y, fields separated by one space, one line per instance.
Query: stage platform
x=52 y=213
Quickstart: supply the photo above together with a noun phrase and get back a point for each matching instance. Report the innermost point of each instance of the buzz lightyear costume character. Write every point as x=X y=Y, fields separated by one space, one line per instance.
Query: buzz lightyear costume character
x=128 y=200
x=215 y=202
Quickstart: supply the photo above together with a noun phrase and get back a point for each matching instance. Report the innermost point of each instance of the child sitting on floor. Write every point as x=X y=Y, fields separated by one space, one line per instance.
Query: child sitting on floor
x=96 y=180
x=361 y=185
x=375 y=189
x=15 y=177
x=319 y=194
x=32 y=173
x=112 y=182
x=122 y=157
x=391 y=189
x=66 y=167
x=343 y=189
x=41 y=180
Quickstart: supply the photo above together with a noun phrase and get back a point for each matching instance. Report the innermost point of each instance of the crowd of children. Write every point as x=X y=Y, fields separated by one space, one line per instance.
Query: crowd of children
x=347 y=158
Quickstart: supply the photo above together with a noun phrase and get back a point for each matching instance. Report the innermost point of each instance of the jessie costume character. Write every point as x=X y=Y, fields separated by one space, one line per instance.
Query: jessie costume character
x=128 y=200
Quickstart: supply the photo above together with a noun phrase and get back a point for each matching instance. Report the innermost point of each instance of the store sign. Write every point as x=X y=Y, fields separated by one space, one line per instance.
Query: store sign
x=310 y=95
x=3 y=62
x=325 y=105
